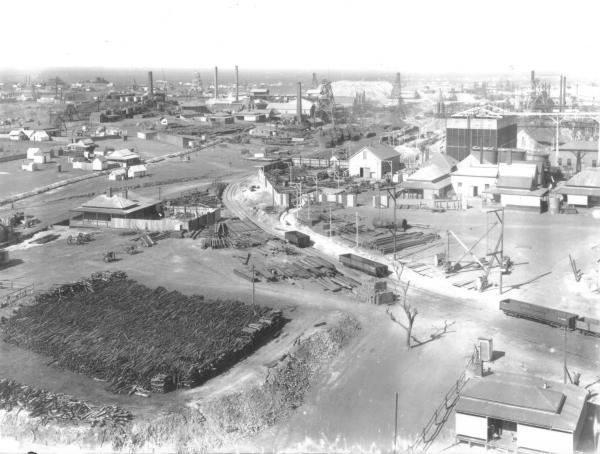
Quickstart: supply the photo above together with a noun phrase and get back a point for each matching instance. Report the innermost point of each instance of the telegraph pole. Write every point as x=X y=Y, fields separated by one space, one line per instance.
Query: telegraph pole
x=329 y=222
x=357 y=229
x=253 y=284
x=565 y=358
x=396 y=425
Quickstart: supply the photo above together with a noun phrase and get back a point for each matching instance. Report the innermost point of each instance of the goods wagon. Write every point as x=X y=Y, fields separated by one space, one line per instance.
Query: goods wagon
x=537 y=313
x=365 y=265
x=588 y=326
x=297 y=238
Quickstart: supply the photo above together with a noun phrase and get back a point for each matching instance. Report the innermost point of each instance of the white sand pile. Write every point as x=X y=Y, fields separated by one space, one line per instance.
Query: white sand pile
x=376 y=92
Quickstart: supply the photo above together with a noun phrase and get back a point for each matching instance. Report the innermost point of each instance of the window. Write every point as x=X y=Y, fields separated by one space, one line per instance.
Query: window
x=593 y=163
x=364 y=154
x=569 y=162
x=487 y=186
x=460 y=185
x=560 y=161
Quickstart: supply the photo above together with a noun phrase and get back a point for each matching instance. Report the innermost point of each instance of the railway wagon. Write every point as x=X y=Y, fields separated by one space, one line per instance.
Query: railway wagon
x=365 y=265
x=588 y=326
x=298 y=238
x=537 y=313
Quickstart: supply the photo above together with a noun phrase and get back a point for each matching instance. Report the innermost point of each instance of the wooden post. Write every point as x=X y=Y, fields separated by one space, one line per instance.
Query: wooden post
x=253 y=284
x=396 y=425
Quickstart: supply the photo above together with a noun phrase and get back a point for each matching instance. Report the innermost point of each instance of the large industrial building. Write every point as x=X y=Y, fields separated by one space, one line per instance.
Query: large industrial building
x=480 y=127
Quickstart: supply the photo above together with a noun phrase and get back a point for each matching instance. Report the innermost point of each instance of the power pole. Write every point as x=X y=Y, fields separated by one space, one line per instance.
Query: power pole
x=565 y=358
x=356 y=229
x=253 y=284
x=396 y=425
x=329 y=222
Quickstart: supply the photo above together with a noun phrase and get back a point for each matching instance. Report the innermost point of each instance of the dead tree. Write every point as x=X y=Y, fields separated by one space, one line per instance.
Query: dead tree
x=411 y=313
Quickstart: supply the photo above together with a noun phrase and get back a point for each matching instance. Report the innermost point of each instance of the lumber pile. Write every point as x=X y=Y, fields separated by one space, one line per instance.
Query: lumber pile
x=383 y=241
x=58 y=407
x=128 y=334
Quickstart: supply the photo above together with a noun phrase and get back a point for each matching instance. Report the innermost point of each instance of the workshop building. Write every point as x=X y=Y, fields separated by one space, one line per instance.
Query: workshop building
x=374 y=162
x=512 y=412
x=583 y=189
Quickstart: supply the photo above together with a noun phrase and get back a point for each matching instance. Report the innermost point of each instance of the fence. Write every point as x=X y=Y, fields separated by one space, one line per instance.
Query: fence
x=443 y=410
x=17 y=294
x=318 y=162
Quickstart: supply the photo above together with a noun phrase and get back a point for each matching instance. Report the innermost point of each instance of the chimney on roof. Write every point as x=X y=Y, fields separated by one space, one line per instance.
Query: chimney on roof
x=150 y=83
x=237 y=84
x=125 y=193
x=299 y=104
x=109 y=192
x=216 y=82
x=480 y=155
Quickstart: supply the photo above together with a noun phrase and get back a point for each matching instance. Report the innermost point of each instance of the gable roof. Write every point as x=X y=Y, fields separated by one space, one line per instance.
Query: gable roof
x=472 y=161
x=116 y=204
x=439 y=166
x=514 y=182
x=517 y=169
x=524 y=399
x=124 y=153
x=381 y=152
x=580 y=145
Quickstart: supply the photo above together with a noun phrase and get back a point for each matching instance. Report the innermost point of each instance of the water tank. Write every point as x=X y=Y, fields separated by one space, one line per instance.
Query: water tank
x=554 y=205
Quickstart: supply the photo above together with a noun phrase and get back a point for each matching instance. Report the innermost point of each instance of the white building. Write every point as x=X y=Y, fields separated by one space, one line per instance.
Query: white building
x=512 y=412
x=17 y=135
x=583 y=189
x=124 y=157
x=39 y=156
x=118 y=174
x=40 y=136
x=99 y=163
x=472 y=178
x=516 y=187
x=29 y=165
x=432 y=181
x=374 y=162
x=136 y=171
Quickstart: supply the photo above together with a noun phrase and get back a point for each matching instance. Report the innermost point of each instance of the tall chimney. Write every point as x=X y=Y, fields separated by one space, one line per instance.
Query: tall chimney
x=237 y=84
x=532 y=79
x=150 y=84
x=560 y=95
x=564 y=90
x=216 y=82
x=299 y=104
x=315 y=82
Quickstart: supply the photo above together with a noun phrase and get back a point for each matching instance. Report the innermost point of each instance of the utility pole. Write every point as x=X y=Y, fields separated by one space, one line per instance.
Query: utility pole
x=396 y=426
x=159 y=193
x=356 y=229
x=565 y=358
x=253 y=284
x=329 y=222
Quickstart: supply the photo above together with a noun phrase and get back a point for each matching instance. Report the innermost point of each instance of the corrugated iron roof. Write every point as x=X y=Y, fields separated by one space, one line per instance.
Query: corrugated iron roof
x=514 y=182
x=580 y=145
x=587 y=178
x=524 y=399
x=380 y=151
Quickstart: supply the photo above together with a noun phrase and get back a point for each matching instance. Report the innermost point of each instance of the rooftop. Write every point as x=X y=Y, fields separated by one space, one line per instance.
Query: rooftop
x=587 y=178
x=524 y=399
x=382 y=152
x=118 y=203
x=580 y=145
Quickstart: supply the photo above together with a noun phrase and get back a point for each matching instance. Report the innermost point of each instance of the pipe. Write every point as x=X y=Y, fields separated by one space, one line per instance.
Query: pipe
x=237 y=84
x=216 y=82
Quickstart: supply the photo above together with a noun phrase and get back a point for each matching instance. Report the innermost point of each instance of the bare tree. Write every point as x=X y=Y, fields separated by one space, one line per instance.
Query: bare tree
x=411 y=313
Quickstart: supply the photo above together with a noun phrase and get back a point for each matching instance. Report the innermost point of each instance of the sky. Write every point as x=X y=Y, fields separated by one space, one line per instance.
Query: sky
x=437 y=36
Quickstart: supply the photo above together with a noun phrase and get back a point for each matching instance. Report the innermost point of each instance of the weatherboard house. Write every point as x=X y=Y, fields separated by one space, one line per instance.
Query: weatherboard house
x=514 y=412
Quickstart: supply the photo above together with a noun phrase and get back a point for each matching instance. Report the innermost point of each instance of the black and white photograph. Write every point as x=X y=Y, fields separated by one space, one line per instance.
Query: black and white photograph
x=278 y=226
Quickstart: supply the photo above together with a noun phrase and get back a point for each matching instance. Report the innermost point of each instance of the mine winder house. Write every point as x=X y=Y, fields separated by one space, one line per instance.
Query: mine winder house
x=512 y=412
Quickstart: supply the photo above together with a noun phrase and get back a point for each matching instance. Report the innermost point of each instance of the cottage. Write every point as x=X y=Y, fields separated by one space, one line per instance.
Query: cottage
x=17 y=135
x=81 y=146
x=99 y=163
x=124 y=157
x=39 y=156
x=431 y=181
x=583 y=189
x=136 y=171
x=147 y=135
x=374 y=162
x=514 y=412
x=118 y=174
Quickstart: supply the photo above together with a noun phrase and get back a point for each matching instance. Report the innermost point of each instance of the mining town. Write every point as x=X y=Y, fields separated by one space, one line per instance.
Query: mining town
x=200 y=255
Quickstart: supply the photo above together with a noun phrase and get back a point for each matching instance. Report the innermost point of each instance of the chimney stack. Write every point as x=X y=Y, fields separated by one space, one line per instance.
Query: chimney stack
x=150 y=84
x=480 y=155
x=216 y=82
x=109 y=192
x=299 y=104
x=532 y=79
x=237 y=84
x=564 y=90
x=315 y=82
x=560 y=95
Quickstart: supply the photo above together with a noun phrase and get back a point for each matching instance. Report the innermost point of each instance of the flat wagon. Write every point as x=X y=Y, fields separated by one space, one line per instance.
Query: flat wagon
x=365 y=265
x=298 y=238
x=588 y=326
x=553 y=317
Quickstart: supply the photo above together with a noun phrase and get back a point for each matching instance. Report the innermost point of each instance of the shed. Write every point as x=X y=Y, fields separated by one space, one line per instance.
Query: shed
x=374 y=161
x=472 y=178
x=583 y=188
x=17 y=135
x=136 y=171
x=29 y=165
x=99 y=163
x=118 y=174
x=513 y=411
x=124 y=157
x=433 y=180
x=40 y=136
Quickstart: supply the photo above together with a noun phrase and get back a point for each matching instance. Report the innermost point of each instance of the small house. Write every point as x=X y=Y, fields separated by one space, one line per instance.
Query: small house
x=99 y=163
x=118 y=174
x=136 y=171
x=124 y=157
x=17 y=135
x=582 y=189
x=40 y=136
x=472 y=177
x=29 y=165
x=432 y=181
x=39 y=156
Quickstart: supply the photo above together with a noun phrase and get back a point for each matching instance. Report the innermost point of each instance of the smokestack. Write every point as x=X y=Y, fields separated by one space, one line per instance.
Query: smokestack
x=315 y=82
x=564 y=90
x=560 y=95
x=216 y=82
x=150 y=84
x=237 y=84
x=532 y=78
x=299 y=104
x=510 y=156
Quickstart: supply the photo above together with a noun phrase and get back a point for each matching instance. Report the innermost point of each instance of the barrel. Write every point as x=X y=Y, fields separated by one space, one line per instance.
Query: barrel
x=554 y=205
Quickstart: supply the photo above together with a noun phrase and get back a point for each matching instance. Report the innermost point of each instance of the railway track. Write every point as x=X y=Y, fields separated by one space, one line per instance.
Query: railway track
x=541 y=337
